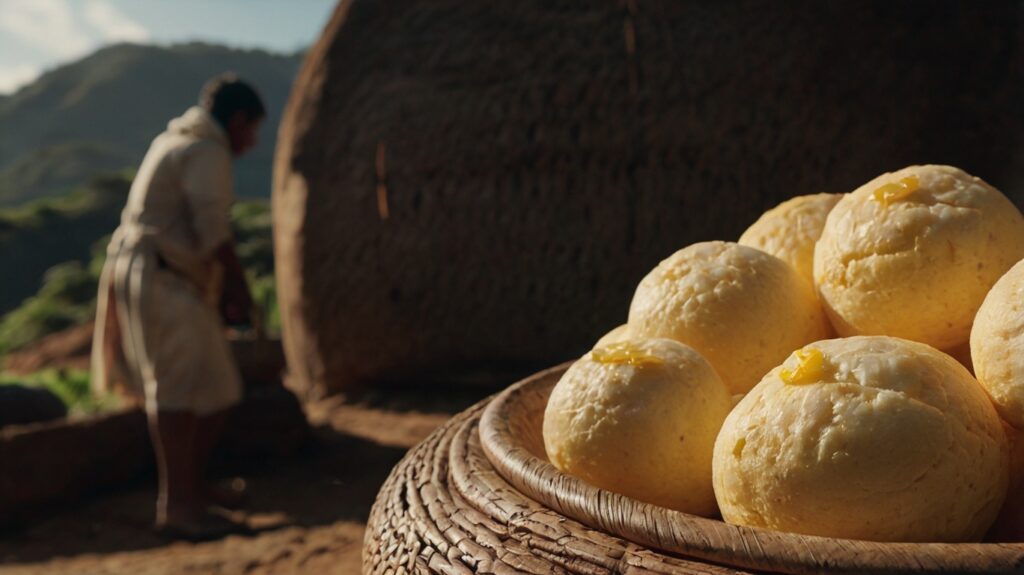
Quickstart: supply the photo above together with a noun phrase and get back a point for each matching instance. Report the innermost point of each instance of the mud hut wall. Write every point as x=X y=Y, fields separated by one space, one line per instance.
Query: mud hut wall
x=465 y=183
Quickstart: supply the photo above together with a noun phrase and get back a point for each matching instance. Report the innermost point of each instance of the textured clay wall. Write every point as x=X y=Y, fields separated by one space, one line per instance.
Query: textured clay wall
x=535 y=158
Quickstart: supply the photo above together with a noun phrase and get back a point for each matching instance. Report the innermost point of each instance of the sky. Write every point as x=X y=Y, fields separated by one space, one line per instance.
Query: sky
x=38 y=35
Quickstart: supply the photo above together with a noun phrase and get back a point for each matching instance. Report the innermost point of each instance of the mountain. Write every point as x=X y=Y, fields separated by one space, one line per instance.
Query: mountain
x=101 y=112
x=51 y=170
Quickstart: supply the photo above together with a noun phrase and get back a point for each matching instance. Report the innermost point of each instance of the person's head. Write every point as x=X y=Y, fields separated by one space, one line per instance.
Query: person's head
x=237 y=108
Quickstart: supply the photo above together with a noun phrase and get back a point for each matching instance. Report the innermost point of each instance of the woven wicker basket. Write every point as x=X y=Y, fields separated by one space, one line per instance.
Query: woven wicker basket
x=479 y=496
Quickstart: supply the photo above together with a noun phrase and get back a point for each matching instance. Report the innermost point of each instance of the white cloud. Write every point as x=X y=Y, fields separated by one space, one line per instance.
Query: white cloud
x=112 y=24
x=16 y=76
x=38 y=33
x=47 y=25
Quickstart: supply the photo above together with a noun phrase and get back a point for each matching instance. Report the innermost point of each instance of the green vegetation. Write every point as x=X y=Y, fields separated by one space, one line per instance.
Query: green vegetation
x=67 y=294
x=255 y=245
x=67 y=298
x=102 y=193
x=53 y=171
x=70 y=385
x=38 y=235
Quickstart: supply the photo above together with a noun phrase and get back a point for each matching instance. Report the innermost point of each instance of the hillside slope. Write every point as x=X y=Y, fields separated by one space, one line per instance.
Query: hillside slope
x=44 y=233
x=101 y=112
x=53 y=251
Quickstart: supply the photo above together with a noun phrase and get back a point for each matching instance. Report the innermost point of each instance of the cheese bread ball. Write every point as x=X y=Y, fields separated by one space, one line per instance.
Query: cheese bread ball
x=997 y=345
x=740 y=308
x=912 y=254
x=640 y=417
x=869 y=437
x=789 y=231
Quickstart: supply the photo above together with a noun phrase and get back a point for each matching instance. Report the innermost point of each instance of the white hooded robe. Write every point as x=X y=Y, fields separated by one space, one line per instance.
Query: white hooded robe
x=158 y=330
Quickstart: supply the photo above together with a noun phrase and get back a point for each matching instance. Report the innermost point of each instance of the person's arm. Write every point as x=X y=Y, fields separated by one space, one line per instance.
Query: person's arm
x=237 y=301
x=208 y=187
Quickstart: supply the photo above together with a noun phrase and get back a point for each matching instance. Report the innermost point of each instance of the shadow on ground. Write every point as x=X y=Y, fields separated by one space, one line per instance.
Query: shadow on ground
x=312 y=506
x=334 y=479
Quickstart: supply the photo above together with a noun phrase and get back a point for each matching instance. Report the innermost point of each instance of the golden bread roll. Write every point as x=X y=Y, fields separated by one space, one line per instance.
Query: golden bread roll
x=740 y=308
x=640 y=417
x=912 y=254
x=789 y=231
x=997 y=345
x=869 y=437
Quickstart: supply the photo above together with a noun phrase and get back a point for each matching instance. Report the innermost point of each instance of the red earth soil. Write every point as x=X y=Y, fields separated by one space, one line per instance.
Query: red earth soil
x=312 y=506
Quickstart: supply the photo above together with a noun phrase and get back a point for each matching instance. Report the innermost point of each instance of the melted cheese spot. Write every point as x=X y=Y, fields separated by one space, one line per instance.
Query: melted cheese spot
x=810 y=366
x=893 y=192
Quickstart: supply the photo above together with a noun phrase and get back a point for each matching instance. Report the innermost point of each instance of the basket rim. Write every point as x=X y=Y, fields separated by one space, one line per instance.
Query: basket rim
x=710 y=539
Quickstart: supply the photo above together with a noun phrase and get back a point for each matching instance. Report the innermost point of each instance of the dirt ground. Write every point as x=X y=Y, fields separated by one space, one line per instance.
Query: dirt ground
x=311 y=507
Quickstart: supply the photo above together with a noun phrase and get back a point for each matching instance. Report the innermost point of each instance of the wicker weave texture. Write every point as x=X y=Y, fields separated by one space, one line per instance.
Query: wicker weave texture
x=444 y=509
x=478 y=496
x=511 y=436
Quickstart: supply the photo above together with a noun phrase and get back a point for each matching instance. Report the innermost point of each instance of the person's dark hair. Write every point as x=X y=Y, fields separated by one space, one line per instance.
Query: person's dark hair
x=226 y=94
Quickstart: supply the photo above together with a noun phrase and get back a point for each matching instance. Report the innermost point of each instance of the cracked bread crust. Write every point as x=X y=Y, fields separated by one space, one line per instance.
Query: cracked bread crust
x=917 y=267
x=891 y=441
x=789 y=231
x=742 y=309
x=645 y=429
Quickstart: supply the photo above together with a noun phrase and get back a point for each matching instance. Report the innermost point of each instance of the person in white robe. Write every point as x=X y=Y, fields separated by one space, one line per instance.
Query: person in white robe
x=171 y=281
